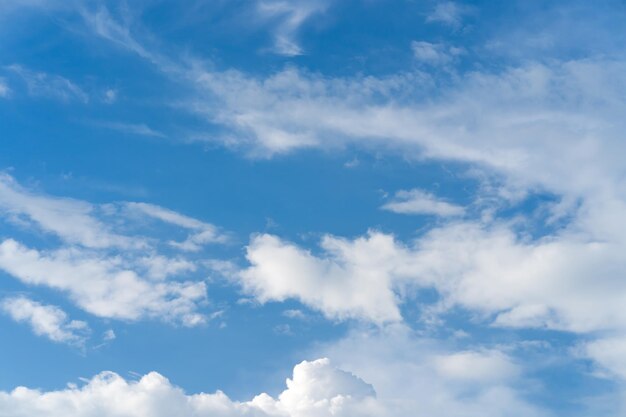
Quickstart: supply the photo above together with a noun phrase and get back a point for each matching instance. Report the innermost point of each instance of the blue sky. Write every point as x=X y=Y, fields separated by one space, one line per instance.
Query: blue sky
x=312 y=208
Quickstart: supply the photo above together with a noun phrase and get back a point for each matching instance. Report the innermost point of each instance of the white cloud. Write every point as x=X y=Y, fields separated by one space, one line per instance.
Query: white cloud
x=110 y=96
x=609 y=354
x=103 y=24
x=554 y=126
x=46 y=320
x=559 y=118
x=486 y=366
x=204 y=233
x=109 y=335
x=420 y=202
x=570 y=281
x=106 y=273
x=103 y=286
x=448 y=13
x=295 y=314
x=131 y=128
x=160 y=267
x=434 y=53
x=538 y=125
x=5 y=91
x=41 y=84
x=434 y=381
x=417 y=376
x=352 y=280
x=317 y=389
x=72 y=220
x=291 y=16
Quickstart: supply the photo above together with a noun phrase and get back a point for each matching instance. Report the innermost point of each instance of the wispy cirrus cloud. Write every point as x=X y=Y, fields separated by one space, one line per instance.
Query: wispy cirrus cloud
x=420 y=202
x=289 y=16
x=73 y=221
x=107 y=272
x=42 y=84
x=202 y=233
x=139 y=129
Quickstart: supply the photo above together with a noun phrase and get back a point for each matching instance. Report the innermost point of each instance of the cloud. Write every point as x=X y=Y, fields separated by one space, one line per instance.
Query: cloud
x=608 y=354
x=568 y=281
x=46 y=320
x=204 y=233
x=5 y=91
x=448 y=13
x=553 y=127
x=41 y=84
x=289 y=17
x=72 y=220
x=104 y=272
x=317 y=389
x=130 y=128
x=437 y=379
x=109 y=335
x=103 y=286
x=110 y=96
x=575 y=103
x=351 y=280
x=556 y=115
x=434 y=53
x=419 y=202
x=485 y=366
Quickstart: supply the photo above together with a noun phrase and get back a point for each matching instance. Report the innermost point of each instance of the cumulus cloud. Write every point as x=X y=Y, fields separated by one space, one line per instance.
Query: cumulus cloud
x=436 y=379
x=353 y=279
x=420 y=202
x=46 y=320
x=317 y=389
x=571 y=281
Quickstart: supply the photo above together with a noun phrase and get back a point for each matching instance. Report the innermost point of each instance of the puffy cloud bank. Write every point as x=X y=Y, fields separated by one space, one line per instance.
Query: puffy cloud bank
x=317 y=389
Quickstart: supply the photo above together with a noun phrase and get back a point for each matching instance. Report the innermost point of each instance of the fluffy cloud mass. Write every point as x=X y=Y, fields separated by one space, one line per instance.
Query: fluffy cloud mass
x=465 y=383
x=354 y=280
x=317 y=389
x=569 y=281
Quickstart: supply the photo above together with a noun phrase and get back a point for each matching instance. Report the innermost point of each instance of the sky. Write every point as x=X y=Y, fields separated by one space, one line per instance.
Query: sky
x=298 y=208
